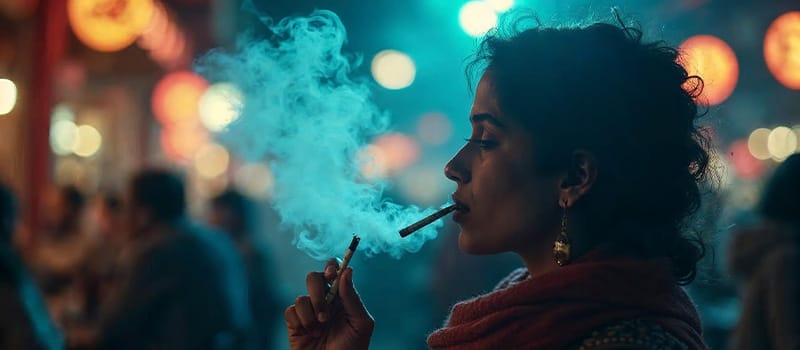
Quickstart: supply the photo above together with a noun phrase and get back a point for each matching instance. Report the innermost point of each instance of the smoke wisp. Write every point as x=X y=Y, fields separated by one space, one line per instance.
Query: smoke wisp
x=308 y=116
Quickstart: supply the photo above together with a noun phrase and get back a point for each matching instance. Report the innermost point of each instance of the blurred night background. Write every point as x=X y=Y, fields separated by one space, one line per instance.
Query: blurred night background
x=93 y=90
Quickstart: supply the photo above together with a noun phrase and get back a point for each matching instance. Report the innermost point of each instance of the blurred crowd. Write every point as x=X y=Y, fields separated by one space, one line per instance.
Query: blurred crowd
x=132 y=270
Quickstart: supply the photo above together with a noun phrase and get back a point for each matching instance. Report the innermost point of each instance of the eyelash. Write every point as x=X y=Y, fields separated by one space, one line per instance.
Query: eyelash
x=483 y=144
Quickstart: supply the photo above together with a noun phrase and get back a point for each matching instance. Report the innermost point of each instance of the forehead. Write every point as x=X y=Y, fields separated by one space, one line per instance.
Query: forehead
x=485 y=95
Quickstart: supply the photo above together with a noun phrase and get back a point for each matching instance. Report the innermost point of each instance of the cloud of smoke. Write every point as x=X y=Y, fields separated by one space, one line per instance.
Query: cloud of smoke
x=305 y=112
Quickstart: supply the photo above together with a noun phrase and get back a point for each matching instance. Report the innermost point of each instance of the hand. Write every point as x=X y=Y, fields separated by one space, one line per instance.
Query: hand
x=344 y=324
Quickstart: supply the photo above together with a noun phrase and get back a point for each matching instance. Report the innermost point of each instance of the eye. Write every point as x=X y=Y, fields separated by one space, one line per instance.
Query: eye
x=482 y=143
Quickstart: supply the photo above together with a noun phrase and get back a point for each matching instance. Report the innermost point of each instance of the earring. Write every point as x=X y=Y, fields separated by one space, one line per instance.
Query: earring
x=562 y=247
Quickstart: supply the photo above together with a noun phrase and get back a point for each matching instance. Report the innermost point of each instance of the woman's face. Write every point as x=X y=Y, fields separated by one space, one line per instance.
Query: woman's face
x=508 y=206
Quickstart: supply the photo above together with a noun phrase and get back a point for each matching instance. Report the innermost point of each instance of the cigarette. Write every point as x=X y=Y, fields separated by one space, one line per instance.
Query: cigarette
x=427 y=220
x=343 y=265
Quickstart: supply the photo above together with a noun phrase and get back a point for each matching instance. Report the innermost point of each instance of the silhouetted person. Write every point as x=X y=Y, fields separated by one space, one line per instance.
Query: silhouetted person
x=184 y=287
x=61 y=253
x=24 y=320
x=233 y=213
x=765 y=259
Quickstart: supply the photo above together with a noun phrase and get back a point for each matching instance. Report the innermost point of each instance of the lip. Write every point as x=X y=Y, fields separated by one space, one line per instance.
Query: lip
x=462 y=209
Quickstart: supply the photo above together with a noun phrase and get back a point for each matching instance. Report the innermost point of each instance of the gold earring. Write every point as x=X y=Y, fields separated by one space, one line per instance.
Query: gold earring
x=561 y=247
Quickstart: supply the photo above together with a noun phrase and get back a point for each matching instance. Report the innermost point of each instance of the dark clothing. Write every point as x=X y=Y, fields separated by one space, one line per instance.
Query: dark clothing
x=24 y=320
x=264 y=304
x=766 y=258
x=184 y=289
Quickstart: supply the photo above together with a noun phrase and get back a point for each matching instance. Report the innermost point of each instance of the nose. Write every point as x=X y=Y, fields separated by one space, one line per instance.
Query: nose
x=457 y=169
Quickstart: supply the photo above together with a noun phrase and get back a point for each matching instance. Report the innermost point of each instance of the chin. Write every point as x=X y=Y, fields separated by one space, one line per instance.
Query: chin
x=469 y=245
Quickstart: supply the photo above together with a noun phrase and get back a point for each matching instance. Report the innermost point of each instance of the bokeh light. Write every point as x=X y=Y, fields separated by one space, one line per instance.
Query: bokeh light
x=8 y=96
x=713 y=60
x=208 y=187
x=781 y=143
x=477 y=18
x=109 y=25
x=782 y=49
x=180 y=143
x=757 y=143
x=796 y=130
x=211 y=160
x=62 y=111
x=389 y=154
x=87 y=141
x=423 y=186
x=220 y=105
x=500 y=5
x=434 y=128
x=254 y=180
x=63 y=136
x=393 y=69
x=176 y=97
x=744 y=164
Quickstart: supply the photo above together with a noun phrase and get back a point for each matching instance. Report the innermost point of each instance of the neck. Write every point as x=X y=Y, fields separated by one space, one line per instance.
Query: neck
x=539 y=259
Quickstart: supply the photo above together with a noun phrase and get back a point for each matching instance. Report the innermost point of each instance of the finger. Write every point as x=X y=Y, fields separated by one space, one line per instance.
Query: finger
x=305 y=311
x=293 y=324
x=317 y=288
x=331 y=267
x=352 y=304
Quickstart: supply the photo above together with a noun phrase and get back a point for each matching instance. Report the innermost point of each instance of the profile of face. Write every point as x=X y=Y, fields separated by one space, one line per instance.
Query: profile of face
x=506 y=205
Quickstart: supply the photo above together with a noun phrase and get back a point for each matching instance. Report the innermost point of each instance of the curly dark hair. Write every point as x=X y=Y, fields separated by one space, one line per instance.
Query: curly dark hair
x=633 y=106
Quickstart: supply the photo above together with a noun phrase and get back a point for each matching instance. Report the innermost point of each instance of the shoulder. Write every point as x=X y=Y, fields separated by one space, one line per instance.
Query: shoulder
x=630 y=334
x=514 y=277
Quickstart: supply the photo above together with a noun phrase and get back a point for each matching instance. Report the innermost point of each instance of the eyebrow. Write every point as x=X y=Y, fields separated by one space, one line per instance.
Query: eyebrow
x=481 y=117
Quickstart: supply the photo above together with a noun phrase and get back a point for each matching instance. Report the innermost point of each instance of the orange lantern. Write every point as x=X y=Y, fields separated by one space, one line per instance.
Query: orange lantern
x=176 y=97
x=713 y=60
x=109 y=25
x=782 y=49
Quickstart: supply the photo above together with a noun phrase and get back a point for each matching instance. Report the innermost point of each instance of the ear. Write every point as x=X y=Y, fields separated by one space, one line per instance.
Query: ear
x=579 y=179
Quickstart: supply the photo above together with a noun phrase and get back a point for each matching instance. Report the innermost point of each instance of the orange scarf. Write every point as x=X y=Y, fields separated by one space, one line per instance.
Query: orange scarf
x=560 y=308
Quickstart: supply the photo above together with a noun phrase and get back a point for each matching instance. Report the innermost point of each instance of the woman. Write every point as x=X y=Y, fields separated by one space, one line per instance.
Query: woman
x=765 y=259
x=585 y=161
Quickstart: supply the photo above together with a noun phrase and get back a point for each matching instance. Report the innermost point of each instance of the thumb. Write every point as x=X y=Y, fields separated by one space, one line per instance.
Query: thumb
x=351 y=302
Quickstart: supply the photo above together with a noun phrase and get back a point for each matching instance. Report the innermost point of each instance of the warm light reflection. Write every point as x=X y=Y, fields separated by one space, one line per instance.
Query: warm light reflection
x=211 y=160
x=109 y=25
x=181 y=143
x=87 y=141
x=713 y=60
x=176 y=98
x=782 y=49
x=389 y=154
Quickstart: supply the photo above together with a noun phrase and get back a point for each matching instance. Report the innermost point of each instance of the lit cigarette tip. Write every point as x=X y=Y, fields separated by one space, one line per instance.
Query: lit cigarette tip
x=354 y=242
x=427 y=220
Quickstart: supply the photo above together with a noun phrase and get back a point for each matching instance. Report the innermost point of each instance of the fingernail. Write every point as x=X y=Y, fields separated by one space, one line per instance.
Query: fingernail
x=322 y=316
